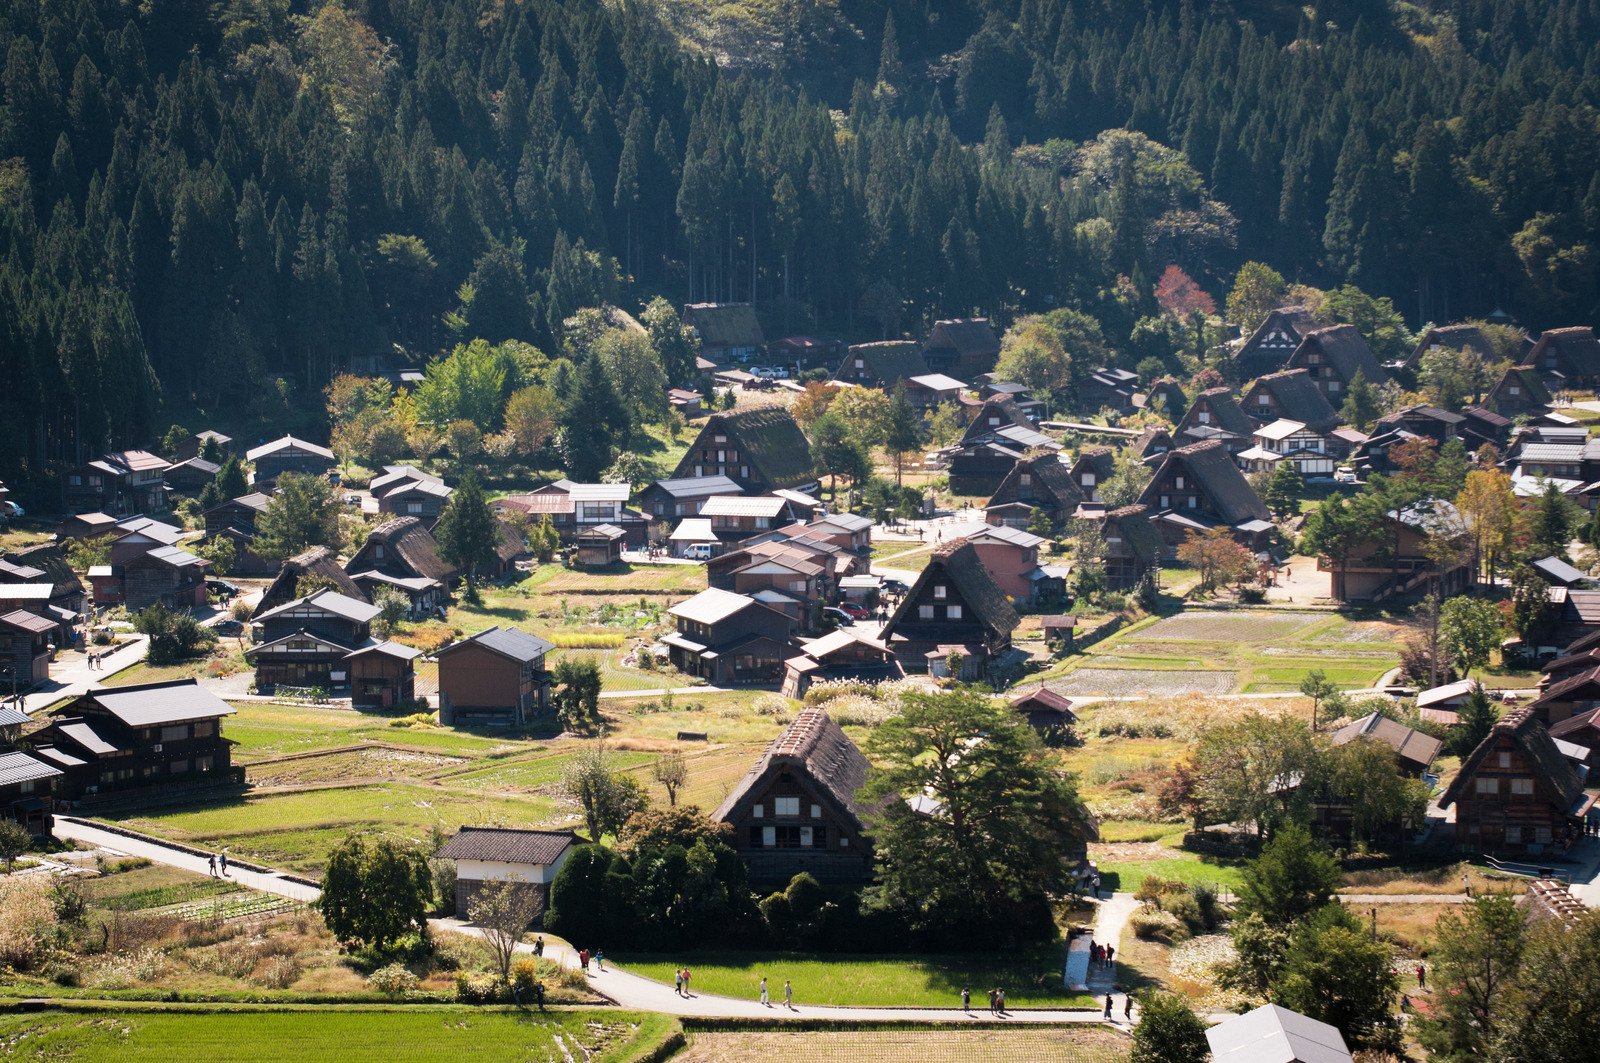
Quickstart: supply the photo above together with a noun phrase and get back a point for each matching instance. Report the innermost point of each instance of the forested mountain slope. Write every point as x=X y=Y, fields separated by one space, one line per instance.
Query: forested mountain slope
x=198 y=199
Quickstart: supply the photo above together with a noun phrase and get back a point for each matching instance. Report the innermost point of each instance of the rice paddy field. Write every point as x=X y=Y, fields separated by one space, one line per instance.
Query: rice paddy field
x=415 y=1035
x=1204 y=651
x=1075 y=1044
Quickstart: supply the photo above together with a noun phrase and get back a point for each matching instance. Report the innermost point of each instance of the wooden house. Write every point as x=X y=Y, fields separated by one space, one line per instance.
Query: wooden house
x=1576 y=693
x=1011 y=557
x=572 y=507
x=194 y=446
x=844 y=653
x=422 y=496
x=1311 y=451
x=190 y=476
x=304 y=572
x=288 y=454
x=1451 y=338
x=25 y=649
x=1163 y=397
x=805 y=572
x=495 y=678
x=1581 y=731
x=1198 y=487
x=881 y=365
x=1395 y=560
x=761 y=449
x=1566 y=358
x=27 y=792
x=236 y=519
x=1091 y=469
x=687 y=403
x=728 y=331
x=1442 y=704
x=1333 y=357
x=1520 y=392
x=170 y=575
x=1107 y=388
x=735 y=518
x=1040 y=482
x=47 y=563
x=955 y=607
x=120 y=483
x=307 y=642
x=847 y=531
x=798 y=808
x=1414 y=751
x=86 y=526
x=1290 y=395
x=965 y=347
x=667 y=501
x=1517 y=792
x=600 y=545
x=1150 y=444
x=403 y=554
x=933 y=389
x=383 y=675
x=726 y=637
x=1215 y=415
x=166 y=734
x=999 y=434
x=1133 y=547
x=1045 y=710
x=806 y=352
x=485 y=855
x=1268 y=348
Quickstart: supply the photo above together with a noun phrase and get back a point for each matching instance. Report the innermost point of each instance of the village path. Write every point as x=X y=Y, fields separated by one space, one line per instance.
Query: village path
x=623 y=988
x=72 y=676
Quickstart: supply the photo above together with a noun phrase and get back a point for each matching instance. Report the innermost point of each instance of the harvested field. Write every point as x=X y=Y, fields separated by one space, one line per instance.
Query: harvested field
x=1066 y=1044
x=1204 y=625
x=1118 y=682
x=376 y=762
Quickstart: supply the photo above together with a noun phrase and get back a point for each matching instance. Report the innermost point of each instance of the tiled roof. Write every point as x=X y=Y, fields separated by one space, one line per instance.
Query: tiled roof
x=711 y=606
x=330 y=601
x=20 y=768
x=288 y=443
x=148 y=704
x=504 y=845
x=508 y=642
x=1408 y=743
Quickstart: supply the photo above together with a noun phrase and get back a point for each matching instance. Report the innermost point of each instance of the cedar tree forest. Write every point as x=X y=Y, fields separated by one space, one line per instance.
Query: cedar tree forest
x=207 y=201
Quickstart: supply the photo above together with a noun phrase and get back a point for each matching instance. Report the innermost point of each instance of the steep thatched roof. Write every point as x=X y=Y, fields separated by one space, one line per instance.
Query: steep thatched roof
x=1231 y=496
x=972 y=337
x=958 y=562
x=1223 y=410
x=1131 y=524
x=318 y=561
x=725 y=324
x=812 y=747
x=1345 y=349
x=1003 y=410
x=1576 y=349
x=768 y=437
x=1454 y=338
x=408 y=548
x=1554 y=775
x=1297 y=399
x=890 y=361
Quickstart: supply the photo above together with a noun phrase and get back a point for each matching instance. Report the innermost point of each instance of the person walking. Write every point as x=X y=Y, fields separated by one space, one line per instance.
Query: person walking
x=966 y=999
x=538 y=945
x=766 y=1001
x=677 y=981
x=788 y=995
x=687 y=974
x=211 y=865
x=1127 y=1008
x=1422 y=976
x=222 y=862
x=993 y=993
x=600 y=960
x=1108 y=1008
x=583 y=960
x=538 y=994
x=1111 y=956
x=1000 y=996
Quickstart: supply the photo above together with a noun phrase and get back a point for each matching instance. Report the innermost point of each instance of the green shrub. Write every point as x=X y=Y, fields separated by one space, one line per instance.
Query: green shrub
x=1205 y=899
x=1158 y=926
x=476 y=989
x=396 y=981
x=1185 y=908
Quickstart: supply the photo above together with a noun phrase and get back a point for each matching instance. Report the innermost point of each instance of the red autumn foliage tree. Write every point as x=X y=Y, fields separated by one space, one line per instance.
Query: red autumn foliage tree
x=1178 y=294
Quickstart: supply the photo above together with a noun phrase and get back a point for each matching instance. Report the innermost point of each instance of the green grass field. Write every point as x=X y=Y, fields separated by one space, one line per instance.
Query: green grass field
x=420 y=1035
x=1232 y=651
x=1031 y=977
x=297 y=830
x=1189 y=868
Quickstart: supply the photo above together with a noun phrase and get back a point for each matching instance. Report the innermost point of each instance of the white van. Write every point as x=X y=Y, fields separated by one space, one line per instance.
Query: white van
x=698 y=552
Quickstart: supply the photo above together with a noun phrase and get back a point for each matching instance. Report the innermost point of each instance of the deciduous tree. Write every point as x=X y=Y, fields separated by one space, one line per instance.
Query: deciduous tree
x=375 y=890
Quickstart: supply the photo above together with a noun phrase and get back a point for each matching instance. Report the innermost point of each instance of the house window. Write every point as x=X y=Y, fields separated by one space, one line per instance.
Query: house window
x=1088 y=479
x=1514 y=390
x=744 y=472
x=806 y=838
x=844 y=841
x=25 y=786
x=939 y=591
x=202 y=764
x=1026 y=479
x=174 y=734
x=1177 y=482
x=816 y=811
x=75 y=480
x=1263 y=400
x=1193 y=502
x=1166 y=502
x=377 y=551
x=860 y=364
x=1487 y=785
x=769 y=837
x=1204 y=417
x=179 y=767
x=1541 y=835
x=1514 y=835
x=757 y=811
x=413 y=507
x=1333 y=387
x=924 y=612
x=1504 y=760
x=786 y=806
x=953 y=612
x=1522 y=786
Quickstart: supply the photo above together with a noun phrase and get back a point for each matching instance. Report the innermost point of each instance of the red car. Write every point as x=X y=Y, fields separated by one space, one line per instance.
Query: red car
x=854 y=611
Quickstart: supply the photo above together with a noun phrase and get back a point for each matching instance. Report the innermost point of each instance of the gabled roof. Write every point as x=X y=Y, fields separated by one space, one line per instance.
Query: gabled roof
x=769 y=438
x=175 y=556
x=317 y=561
x=160 y=531
x=395 y=475
x=1528 y=378
x=1408 y=743
x=1232 y=497
x=1346 y=350
x=52 y=560
x=969 y=336
x=398 y=650
x=1101 y=461
x=1297 y=398
x=712 y=606
x=1052 y=478
x=959 y=563
x=890 y=361
x=506 y=845
x=509 y=642
x=1224 y=410
x=1298 y=318
x=32 y=623
x=1272 y=1034
x=1141 y=537
x=813 y=747
x=725 y=324
x=1576 y=346
x=136 y=460
x=1559 y=571
x=20 y=768
x=411 y=543
x=743 y=506
x=329 y=601
x=1006 y=410
x=1153 y=440
x=1454 y=338
x=938 y=382
x=698 y=486
x=1004 y=534
x=149 y=704
x=1554 y=775
x=288 y=443
x=1044 y=699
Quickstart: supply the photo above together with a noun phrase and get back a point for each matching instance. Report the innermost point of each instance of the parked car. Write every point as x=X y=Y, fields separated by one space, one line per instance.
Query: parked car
x=10 y=509
x=855 y=610
x=895 y=587
x=838 y=616
x=222 y=588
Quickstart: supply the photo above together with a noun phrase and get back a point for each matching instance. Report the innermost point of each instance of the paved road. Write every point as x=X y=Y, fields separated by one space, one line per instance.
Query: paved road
x=627 y=990
x=75 y=677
